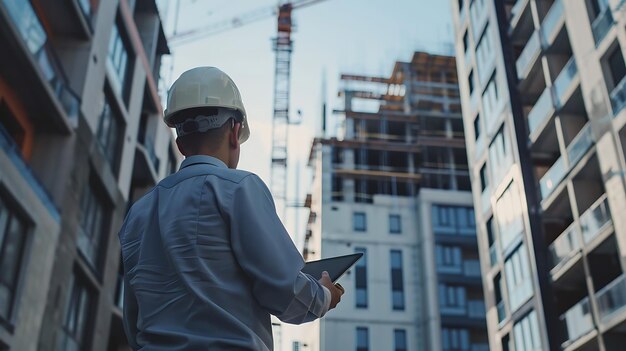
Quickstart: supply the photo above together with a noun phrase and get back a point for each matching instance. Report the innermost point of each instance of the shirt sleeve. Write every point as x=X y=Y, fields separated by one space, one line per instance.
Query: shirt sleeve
x=267 y=254
x=130 y=309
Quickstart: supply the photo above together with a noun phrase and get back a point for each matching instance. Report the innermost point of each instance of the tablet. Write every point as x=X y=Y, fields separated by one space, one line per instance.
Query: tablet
x=335 y=266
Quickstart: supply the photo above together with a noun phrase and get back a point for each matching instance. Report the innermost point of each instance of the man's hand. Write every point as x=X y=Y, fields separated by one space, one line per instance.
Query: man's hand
x=335 y=292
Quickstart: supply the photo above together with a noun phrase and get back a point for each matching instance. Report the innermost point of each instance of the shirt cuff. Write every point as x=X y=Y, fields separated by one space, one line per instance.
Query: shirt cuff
x=327 y=299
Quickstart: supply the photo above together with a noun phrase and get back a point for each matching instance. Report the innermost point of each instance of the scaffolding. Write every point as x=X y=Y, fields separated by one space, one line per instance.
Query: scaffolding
x=414 y=140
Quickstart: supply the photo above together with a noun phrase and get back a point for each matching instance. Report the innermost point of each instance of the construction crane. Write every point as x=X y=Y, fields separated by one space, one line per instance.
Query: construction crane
x=283 y=47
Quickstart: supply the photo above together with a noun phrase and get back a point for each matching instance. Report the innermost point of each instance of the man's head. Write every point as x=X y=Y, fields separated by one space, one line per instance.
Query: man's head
x=205 y=107
x=210 y=131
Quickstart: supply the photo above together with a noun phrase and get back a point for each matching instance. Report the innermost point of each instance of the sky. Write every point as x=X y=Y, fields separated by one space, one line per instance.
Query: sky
x=332 y=37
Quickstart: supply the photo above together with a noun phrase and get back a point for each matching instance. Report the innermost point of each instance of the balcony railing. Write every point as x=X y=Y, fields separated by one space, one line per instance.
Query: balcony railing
x=552 y=178
x=595 y=218
x=485 y=200
x=34 y=36
x=580 y=144
x=601 y=25
x=529 y=56
x=578 y=321
x=493 y=254
x=551 y=20
x=479 y=347
x=564 y=80
x=471 y=268
x=612 y=298
x=501 y=311
x=15 y=155
x=564 y=246
x=618 y=97
x=476 y=309
x=542 y=111
x=516 y=11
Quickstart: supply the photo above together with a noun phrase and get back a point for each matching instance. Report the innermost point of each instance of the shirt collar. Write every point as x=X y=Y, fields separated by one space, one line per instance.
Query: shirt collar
x=192 y=160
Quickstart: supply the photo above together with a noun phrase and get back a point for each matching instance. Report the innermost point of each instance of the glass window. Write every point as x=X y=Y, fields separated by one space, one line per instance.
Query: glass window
x=452 y=296
x=360 y=279
x=359 y=222
x=362 y=339
x=120 y=59
x=110 y=131
x=448 y=256
x=509 y=216
x=527 y=333
x=500 y=157
x=477 y=127
x=484 y=53
x=399 y=340
x=484 y=181
x=490 y=102
x=617 y=66
x=397 y=280
x=395 y=224
x=12 y=245
x=470 y=81
x=455 y=339
x=77 y=313
x=518 y=279
x=93 y=224
x=465 y=41
x=296 y=346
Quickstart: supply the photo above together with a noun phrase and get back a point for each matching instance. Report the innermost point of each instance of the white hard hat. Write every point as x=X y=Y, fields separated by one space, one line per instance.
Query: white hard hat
x=205 y=87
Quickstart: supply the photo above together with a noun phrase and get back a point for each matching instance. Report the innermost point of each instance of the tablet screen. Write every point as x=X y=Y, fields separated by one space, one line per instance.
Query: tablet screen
x=335 y=266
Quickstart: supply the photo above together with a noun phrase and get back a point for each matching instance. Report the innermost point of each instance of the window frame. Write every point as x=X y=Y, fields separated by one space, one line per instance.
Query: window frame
x=355 y=224
x=14 y=213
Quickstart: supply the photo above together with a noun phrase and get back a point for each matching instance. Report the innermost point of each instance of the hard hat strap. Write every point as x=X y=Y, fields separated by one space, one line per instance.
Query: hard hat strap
x=201 y=123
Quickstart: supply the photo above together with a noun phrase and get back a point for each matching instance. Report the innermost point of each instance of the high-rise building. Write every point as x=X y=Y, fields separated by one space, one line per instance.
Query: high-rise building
x=394 y=185
x=80 y=139
x=543 y=91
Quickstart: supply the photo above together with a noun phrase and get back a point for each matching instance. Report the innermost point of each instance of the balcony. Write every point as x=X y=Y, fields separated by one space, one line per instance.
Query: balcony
x=529 y=56
x=618 y=97
x=612 y=298
x=552 y=178
x=578 y=321
x=479 y=347
x=565 y=246
x=552 y=22
x=14 y=155
x=485 y=200
x=580 y=144
x=541 y=112
x=501 y=309
x=476 y=309
x=563 y=83
x=471 y=268
x=516 y=13
x=596 y=218
x=494 y=256
x=601 y=25
x=34 y=37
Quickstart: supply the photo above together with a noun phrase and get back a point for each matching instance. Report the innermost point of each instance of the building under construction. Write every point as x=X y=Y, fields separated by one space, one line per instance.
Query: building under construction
x=394 y=185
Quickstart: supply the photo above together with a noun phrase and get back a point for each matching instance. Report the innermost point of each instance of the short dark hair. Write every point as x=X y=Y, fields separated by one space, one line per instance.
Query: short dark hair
x=193 y=143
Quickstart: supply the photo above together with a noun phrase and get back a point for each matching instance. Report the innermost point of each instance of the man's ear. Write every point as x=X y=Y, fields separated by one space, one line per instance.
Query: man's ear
x=233 y=136
x=180 y=146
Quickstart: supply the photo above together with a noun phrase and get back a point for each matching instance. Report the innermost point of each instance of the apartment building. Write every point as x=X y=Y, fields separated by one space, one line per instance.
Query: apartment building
x=394 y=185
x=543 y=90
x=80 y=139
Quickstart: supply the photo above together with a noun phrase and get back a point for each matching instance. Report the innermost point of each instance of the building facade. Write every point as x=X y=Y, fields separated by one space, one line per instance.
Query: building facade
x=81 y=138
x=543 y=91
x=394 y=185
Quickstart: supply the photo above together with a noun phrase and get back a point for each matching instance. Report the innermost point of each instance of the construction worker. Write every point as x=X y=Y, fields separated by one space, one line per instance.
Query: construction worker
x=206 y=258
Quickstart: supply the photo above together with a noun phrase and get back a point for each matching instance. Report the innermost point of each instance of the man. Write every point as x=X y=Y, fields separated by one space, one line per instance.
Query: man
x=206 y=258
